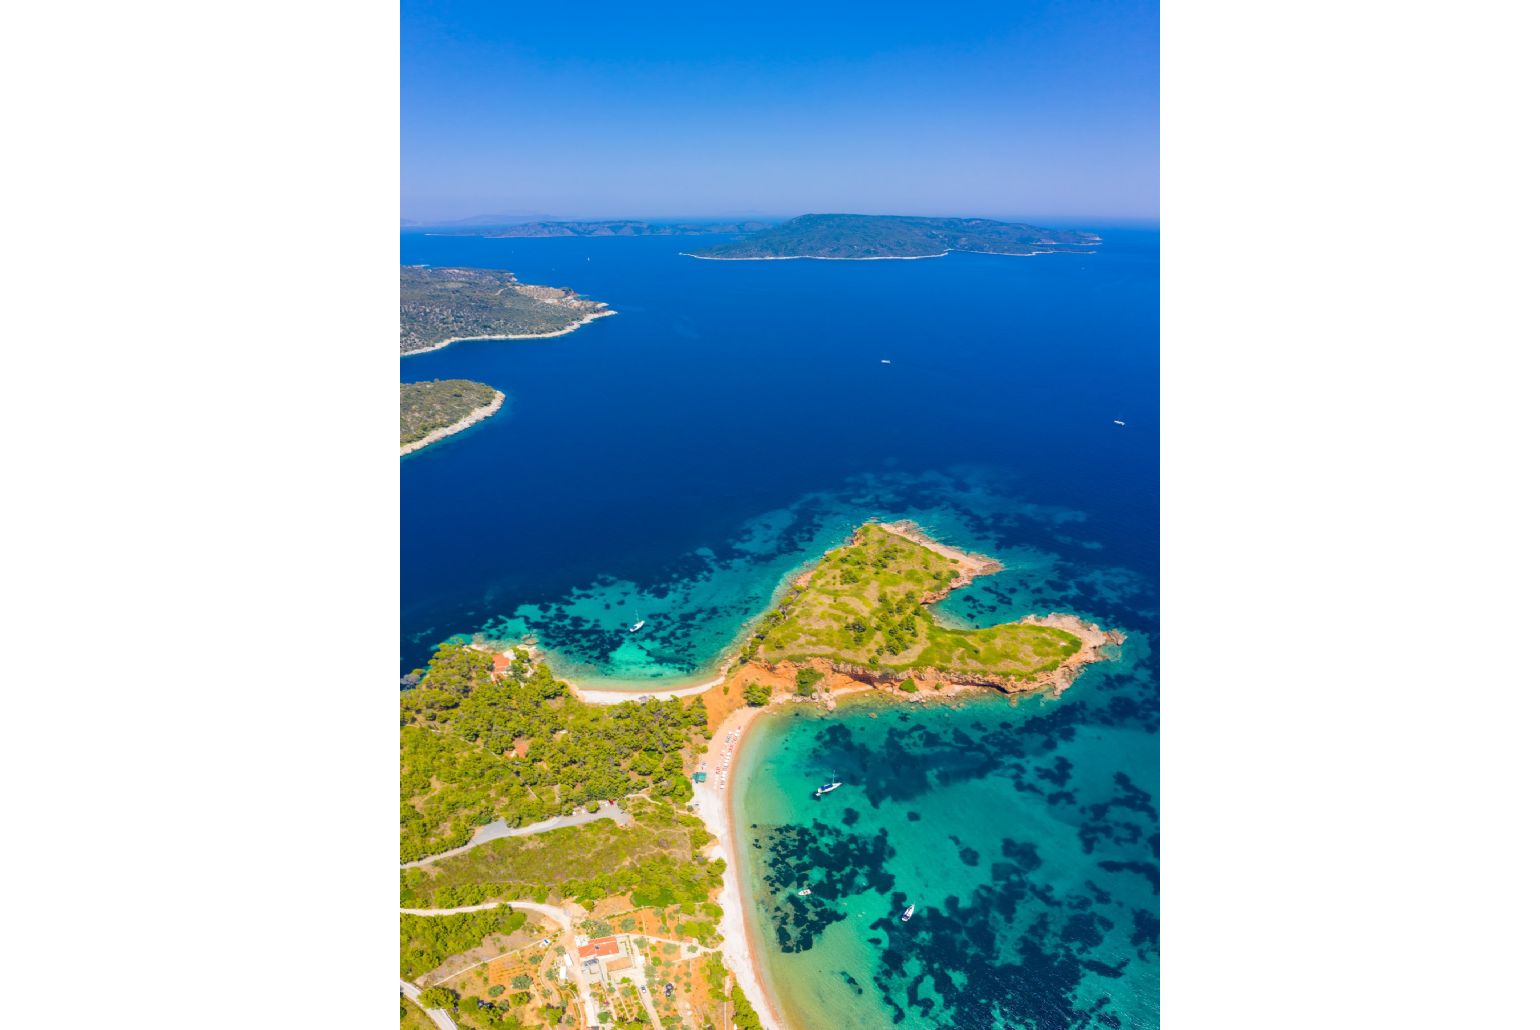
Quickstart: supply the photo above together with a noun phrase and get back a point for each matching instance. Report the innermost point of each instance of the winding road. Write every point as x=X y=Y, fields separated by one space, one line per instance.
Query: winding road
x=499 y=828
x=439 y=1016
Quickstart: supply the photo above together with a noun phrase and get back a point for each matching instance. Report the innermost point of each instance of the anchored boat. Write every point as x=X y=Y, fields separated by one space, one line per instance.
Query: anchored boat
x=827 y=788
x=907 y=913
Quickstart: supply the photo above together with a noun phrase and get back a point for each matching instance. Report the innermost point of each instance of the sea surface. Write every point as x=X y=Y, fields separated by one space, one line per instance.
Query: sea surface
x=679 y=462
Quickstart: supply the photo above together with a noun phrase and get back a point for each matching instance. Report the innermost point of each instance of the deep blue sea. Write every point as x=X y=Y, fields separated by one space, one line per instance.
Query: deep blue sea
x=678 y=462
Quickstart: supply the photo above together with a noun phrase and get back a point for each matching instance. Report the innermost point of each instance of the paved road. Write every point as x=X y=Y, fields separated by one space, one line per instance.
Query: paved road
x=559 y=915
x=439 y=1016
x=500 y=828
x=652 y=1011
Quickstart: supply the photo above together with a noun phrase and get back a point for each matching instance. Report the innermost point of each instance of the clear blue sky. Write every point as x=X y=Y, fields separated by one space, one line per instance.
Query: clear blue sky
x=1037 y=108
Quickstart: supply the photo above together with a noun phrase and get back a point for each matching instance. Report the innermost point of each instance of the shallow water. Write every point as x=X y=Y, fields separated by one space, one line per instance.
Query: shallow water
x=679 y=462
x=1026 y=836
x=675 y=462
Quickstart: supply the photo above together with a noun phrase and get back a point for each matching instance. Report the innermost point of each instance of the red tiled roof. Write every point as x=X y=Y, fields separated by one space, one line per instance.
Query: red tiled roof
x=599 y=947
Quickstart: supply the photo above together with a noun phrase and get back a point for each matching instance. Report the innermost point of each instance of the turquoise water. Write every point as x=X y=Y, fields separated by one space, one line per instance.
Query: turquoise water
x=674 y=462
x=680 y=461
x=1025 y=835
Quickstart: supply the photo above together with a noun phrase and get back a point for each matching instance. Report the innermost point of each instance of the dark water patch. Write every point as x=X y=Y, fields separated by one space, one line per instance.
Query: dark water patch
x=832 y=863
x=1148 y=870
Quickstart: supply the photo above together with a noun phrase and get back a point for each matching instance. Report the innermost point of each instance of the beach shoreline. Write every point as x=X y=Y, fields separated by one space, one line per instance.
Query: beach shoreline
x=574 y=327
x=715 y=805
x=486 y=411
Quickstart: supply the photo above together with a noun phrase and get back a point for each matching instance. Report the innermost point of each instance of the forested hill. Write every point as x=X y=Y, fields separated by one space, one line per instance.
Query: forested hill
x=856 y=237
x=479 y=742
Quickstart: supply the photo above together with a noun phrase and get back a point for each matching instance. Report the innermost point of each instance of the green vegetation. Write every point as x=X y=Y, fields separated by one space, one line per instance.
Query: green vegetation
x=877 y=236
x=477 y=746
x=756 y=695
x=909 y=686
x=866 y=604
x=743 y=1014
x=439 y=998
x=413 y=1017
x=654 y=860
x=439 y=404
x=443 y=304
x=470 y=1012
x=428 y=940
x=807 y=681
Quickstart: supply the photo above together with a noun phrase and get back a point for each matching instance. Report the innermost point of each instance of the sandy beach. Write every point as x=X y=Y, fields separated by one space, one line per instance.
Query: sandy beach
x=615 y=697
x=714 y=802
x=574 y=327
x=486 y=411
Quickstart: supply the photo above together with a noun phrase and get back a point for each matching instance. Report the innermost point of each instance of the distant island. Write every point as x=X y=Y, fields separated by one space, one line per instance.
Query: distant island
x=440 y=306
x=433 y=410
x=878 y=237
x=626 y=228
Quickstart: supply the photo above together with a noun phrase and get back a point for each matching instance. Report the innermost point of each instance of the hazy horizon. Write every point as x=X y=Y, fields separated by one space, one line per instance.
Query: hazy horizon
x=486 y=219
x=1050 y=108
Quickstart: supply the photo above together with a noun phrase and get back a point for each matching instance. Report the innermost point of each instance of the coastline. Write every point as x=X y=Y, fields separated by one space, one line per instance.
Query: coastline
x=484 y=412
x=969 y=565
x=716 y=811
x=574 y=327
x=889 y=257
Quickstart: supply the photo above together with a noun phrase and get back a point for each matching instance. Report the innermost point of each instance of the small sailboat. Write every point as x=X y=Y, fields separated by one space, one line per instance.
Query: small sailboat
x=908 y=912
x=827 y=788
x=638 y=624
x=804 y=892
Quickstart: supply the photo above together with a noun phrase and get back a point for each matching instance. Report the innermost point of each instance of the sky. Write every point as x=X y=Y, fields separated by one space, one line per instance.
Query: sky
x=1034 y=108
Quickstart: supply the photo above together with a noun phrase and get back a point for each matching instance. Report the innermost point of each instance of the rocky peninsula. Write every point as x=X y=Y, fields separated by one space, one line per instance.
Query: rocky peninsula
x=440 y=306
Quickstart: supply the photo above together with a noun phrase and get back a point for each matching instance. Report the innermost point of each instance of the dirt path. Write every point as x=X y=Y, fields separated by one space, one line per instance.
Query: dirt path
x=562 y=917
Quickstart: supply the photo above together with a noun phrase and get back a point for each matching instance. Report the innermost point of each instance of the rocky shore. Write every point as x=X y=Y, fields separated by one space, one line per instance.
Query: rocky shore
x=485 y=411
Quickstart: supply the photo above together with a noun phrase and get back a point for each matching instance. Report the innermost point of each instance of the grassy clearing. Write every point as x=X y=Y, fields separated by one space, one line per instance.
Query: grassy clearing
x=653 y=859
x=867 y=604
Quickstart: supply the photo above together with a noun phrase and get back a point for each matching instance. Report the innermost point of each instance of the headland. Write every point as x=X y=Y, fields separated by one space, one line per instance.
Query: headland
x=440 y=306
x=441 y=408
x=494 y=735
